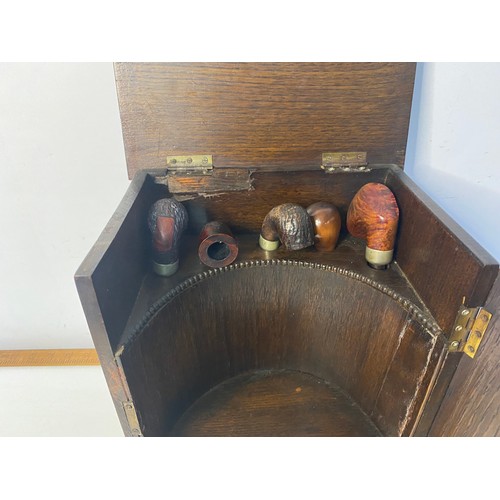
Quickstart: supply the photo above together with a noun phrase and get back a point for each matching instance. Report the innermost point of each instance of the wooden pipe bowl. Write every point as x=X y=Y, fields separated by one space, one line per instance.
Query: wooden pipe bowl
x=283 y=343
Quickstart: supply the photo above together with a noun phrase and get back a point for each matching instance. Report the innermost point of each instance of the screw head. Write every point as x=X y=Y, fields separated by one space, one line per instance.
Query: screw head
x=204 y=160
x=465 y=312
x=484 y=317
x=471 y=349
x=454 y=344
x=189 y=160
x=458 y=328
x=478 y=334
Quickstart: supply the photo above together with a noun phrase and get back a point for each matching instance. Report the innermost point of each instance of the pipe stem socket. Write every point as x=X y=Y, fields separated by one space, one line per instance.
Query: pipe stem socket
x=378 y=259
x=267 y=245
x=165 y=269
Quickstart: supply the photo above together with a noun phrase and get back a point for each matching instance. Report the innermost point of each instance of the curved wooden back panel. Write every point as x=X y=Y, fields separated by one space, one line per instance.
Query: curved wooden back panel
x=283 y=316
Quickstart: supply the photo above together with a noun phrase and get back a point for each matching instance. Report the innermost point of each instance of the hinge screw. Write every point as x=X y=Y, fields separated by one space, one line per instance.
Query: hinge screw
x=454 y=344
x=465 y=312
x=458 y=328
x=478 y=334
x=189 y=160
x=484 y=317
x=205 y=160
x=471 y=349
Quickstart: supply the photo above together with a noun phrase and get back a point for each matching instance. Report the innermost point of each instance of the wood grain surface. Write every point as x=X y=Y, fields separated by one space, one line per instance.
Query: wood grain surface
x=263 y=114
x=109 y=278
x=471 y=406
x=285 y=317
x=49 y=357
x=445 y=265
x=244 y=211
x=348 y=254
x=275 y=403
x=117 y=289
x=273 y=121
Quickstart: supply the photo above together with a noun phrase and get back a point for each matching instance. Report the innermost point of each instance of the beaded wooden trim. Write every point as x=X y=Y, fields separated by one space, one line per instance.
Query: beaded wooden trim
x=425 y=320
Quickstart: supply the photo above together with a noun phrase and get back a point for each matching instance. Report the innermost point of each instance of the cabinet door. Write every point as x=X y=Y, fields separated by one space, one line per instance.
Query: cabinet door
x=471 y=406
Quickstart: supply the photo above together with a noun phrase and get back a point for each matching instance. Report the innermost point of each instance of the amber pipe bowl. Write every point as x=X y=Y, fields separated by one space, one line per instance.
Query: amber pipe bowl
x=373 y=215
x=327 y=223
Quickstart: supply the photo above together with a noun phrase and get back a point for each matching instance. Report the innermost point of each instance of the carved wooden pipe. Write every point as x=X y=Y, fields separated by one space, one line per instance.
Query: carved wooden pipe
x=167 y=221
x=327 y=223
x=373 y=215
x=218 y=247
x=288 y=223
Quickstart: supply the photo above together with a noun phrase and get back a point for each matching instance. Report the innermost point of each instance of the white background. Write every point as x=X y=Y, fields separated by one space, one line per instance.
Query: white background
x=221 y=30
x=453 y=148
x=63 y=173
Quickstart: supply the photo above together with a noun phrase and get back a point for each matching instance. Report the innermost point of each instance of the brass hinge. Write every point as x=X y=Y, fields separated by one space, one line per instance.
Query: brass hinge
x=344 y=162
x=190 y=165
x=469 y=329
x=132 y=419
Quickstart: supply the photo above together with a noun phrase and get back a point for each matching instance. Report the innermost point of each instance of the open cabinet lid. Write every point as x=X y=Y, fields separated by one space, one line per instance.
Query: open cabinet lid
x=277 y=115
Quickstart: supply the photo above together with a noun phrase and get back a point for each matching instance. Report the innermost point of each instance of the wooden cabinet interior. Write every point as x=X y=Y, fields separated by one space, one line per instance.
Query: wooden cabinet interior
x=378 y=337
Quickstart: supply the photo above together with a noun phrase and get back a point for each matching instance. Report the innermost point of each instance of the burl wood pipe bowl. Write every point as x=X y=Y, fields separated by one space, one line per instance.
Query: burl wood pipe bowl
x=373 y=215
x=327 y=223
x=218 y=247
x=167 y=220
x=289 y=223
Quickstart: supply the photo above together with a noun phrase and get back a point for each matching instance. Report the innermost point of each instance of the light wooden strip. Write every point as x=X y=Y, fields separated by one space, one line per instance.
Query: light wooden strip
x=49 y=357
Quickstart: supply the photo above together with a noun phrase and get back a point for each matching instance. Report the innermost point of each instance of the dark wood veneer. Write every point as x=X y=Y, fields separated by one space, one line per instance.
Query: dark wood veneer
x=444 y=263
x=285 y=317
x=280 y=403
x=199 y=350
x=397 y=384
x=275 y=114
x=471 y=406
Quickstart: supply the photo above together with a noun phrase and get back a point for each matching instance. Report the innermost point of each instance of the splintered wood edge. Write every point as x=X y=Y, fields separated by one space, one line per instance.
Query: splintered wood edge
x=49 y=357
